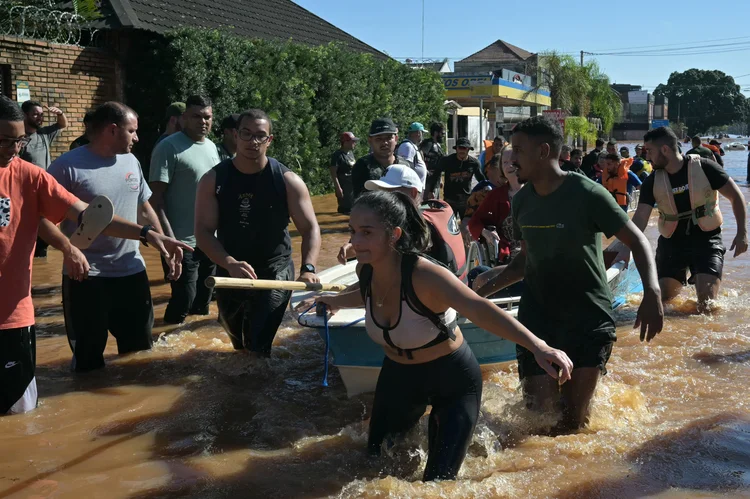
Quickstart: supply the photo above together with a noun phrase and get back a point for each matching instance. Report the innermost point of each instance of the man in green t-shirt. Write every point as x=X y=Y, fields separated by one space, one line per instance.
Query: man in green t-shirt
x=703 y=152
x=559 y=218
x=177 y=165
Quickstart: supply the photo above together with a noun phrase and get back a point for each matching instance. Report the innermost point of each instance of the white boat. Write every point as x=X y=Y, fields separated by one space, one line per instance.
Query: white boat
x=359 y=359
x=735 y=146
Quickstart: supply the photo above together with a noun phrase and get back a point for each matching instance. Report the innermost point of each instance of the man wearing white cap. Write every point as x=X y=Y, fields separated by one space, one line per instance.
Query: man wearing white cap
x=447 y=243
x=409 y=150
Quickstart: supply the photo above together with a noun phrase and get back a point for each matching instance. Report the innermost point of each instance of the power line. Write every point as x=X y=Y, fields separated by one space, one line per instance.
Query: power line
x=675 y=44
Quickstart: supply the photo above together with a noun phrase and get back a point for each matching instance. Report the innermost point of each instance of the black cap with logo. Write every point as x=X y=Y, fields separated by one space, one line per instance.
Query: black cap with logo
x=382 y=126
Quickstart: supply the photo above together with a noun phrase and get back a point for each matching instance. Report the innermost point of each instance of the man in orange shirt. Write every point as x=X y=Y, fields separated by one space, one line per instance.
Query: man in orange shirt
x=28 y=193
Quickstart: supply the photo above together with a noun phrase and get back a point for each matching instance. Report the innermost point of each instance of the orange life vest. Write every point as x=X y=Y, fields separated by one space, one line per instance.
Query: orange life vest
x=704 y=200
x=489 y=152
x=618 y=184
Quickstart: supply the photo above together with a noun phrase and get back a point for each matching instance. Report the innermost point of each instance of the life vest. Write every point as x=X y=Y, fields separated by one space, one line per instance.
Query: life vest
x=617 y=184
x=704 y=201
x=713 y=148
x=489 y=152
x=646 y=165
x=449 y=250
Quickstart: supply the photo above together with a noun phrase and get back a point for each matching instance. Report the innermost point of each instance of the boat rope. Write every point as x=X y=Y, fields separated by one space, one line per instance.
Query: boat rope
x=328 y=342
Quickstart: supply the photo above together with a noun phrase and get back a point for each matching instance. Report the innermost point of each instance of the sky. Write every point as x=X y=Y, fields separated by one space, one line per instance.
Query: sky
x=685 y=34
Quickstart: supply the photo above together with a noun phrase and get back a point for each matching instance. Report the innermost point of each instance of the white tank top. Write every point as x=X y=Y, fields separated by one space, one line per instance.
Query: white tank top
x=411 y=330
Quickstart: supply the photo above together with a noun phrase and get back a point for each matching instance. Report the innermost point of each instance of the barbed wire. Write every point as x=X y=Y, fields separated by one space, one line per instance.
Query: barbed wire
x=45 y=23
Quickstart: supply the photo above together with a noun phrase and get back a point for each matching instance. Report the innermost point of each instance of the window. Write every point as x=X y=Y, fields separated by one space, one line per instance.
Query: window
x=5 y=86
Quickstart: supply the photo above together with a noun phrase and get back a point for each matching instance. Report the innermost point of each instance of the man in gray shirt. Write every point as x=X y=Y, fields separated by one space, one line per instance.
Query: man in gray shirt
x=37 y=150
x=41 y=137
x=116 y=296
x=177 y=165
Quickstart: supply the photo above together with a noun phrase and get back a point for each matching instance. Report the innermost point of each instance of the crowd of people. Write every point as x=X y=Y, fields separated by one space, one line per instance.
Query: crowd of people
x=225 y=208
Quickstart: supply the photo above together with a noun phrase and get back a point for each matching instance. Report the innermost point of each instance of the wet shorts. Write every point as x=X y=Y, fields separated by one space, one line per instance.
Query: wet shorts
x=700 y=255
x=587 y=349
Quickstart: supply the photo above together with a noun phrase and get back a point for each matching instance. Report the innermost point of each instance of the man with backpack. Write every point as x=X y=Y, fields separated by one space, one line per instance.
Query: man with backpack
x=409 y=150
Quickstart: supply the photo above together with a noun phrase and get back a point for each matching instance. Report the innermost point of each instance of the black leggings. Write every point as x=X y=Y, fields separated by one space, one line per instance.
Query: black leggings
x=452 y=385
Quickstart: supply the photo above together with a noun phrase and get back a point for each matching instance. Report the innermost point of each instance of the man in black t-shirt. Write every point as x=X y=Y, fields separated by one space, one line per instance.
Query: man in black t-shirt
x=383 y=139
x=459 y=167
x=592 y=159
x=342 y=162
x=697 y=247
x=432 y=150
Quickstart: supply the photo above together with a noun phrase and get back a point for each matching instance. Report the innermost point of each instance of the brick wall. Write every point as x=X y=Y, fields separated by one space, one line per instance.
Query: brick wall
x=75 y=79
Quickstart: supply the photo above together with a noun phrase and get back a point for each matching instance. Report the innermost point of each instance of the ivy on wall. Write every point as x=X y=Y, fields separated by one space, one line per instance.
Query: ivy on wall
x=312 y=94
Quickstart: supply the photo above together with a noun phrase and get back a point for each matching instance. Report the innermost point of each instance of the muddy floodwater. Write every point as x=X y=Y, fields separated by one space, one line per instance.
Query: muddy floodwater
x=193 y=418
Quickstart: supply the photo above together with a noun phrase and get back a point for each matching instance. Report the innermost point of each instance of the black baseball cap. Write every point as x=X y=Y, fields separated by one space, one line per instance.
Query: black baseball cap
x=382 y=126
x=463 y=142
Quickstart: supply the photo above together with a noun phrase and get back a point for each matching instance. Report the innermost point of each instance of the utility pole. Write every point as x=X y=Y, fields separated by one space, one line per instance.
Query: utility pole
x=422 y=32
x=581 y=57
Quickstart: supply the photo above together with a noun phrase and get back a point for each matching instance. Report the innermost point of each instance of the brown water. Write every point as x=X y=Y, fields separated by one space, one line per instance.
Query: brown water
x=193 y=418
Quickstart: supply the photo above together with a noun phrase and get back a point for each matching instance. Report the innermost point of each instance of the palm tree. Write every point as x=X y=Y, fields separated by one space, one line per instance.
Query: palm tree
x=580 y=90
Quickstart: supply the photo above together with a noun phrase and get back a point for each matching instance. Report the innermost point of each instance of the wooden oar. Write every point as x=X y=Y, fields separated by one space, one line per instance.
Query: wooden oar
x=233 y=283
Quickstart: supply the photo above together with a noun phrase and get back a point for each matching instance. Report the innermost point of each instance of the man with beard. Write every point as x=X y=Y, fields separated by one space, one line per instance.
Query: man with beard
x=115 y=296
x=177 y=165
x=28 y=193
x=459 y=167
x=432 y=150
x=37 y=151
x=559 y=217
x=242 y=216
x=685 y=191
x=383 y=139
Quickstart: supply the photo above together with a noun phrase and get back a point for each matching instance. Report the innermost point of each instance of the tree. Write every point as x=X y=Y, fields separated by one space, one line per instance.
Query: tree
x=580 y=90
x=703 y=99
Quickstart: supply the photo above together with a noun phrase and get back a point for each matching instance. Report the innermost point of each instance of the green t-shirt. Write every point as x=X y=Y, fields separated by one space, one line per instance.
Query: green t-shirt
x=703 y=152
x=180 y=162
x=566 y=290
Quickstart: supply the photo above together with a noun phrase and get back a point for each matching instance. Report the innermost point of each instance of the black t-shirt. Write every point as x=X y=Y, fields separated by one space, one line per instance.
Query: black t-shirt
x=589 y=161
x=716 y=176
x=569 y=166
x=367 y=168
x=343 y=161
x=433 y=153
x=458 y=177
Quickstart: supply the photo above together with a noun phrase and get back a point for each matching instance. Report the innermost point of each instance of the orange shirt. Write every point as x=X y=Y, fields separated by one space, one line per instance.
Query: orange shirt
x=27 y=193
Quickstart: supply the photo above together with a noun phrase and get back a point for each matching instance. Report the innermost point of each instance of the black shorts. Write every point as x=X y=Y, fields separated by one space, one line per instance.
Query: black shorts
x=97 y=306
x=701 y=255
x=17 y=367
x=590 y=348
x=251 y=318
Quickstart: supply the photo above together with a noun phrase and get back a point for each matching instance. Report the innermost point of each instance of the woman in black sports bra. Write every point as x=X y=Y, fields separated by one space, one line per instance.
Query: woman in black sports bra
x=411 y=306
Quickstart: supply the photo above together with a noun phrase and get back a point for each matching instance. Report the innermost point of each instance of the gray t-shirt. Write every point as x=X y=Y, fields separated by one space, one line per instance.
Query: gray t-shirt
x=37 y=152
x=87 y=175
x=180 y=162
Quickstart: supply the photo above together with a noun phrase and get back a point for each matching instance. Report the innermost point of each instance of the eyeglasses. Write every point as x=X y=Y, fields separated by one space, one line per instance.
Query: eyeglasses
x=8 y=143
x=247 y=135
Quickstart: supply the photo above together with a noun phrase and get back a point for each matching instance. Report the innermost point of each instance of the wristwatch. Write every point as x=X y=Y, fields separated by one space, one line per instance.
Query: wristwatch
x=144 y=231
x=308 y=267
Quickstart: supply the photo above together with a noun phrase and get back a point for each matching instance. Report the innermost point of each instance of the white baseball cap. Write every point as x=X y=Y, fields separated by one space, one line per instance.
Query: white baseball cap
x=396 y=176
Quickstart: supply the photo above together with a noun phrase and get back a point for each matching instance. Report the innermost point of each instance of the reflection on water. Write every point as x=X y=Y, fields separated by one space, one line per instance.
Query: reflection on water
x=193 y=418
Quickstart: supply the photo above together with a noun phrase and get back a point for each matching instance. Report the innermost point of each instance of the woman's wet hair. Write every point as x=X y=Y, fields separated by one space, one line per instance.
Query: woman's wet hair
x=395 y=209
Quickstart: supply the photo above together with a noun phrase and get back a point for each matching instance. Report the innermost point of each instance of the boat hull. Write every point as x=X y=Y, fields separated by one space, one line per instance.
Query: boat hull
x=359 y=359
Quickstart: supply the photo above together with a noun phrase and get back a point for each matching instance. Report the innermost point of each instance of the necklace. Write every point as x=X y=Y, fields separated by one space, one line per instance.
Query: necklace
x=379 y=303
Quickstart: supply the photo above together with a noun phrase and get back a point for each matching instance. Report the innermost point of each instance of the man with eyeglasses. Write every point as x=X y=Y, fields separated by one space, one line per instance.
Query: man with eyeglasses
x=177 y=165
x=383 y=139
x=242 y=215
x=28 y=193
